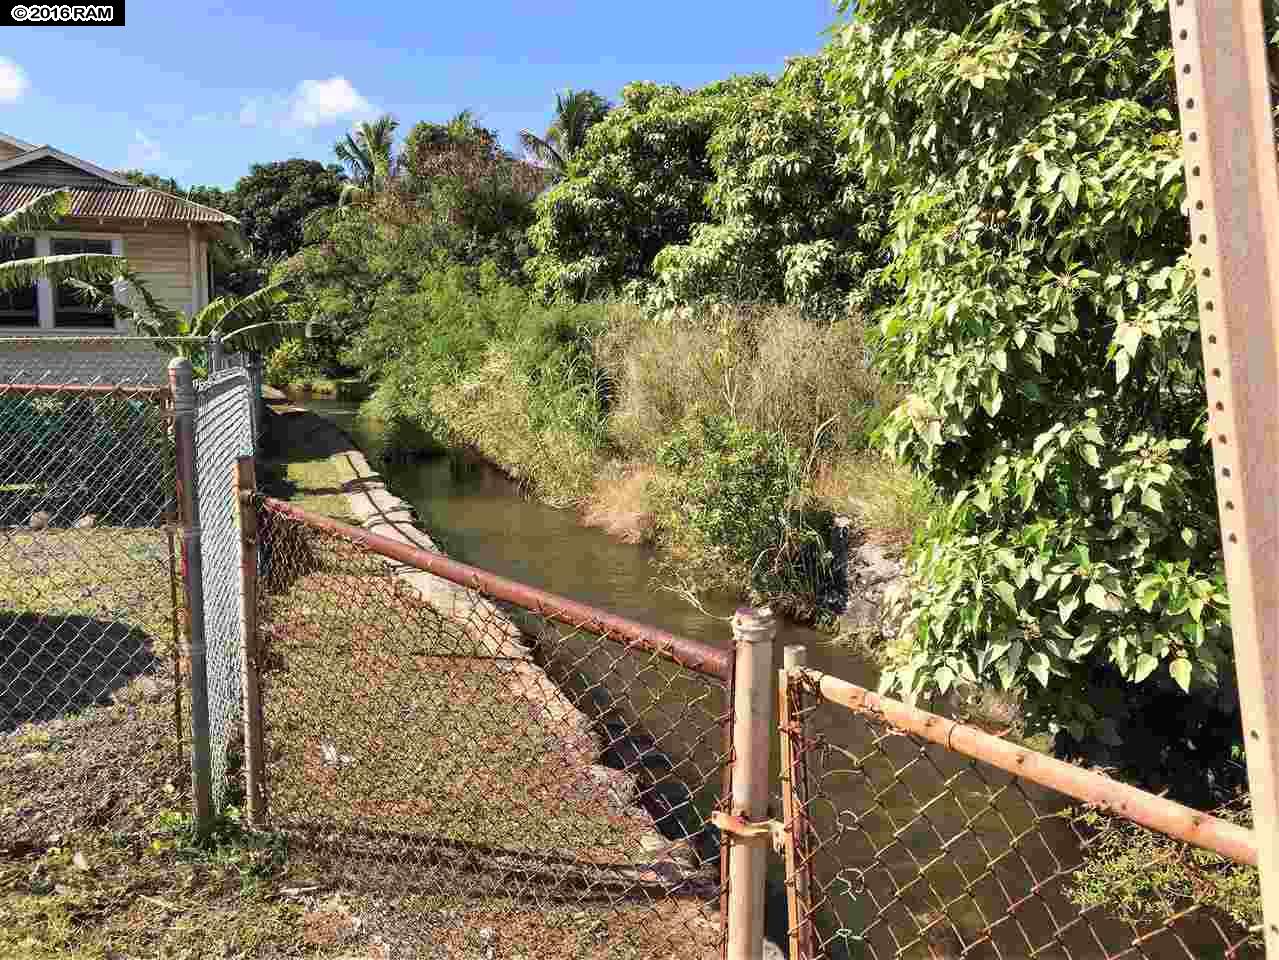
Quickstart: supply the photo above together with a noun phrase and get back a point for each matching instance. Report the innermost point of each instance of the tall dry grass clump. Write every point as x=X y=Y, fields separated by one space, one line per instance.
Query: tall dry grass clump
x=768 y=367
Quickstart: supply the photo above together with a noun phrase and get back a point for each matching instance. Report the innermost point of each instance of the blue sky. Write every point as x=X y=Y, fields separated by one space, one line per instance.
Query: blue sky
x=198 y=90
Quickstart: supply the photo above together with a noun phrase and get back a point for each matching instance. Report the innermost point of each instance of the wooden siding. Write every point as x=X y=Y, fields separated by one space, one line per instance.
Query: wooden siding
x=51 y=171
x=161 y=258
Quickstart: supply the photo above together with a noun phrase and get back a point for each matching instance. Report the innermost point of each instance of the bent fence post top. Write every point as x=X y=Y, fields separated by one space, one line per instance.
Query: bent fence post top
x=1223 y=94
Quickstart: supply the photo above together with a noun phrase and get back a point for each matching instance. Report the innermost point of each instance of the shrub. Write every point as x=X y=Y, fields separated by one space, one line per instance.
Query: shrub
x=729 y=512
x=288 y=363
x=1141 y=875
x=1045 y=323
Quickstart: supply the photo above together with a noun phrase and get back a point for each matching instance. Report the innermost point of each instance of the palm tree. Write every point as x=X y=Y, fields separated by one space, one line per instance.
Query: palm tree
x=367 y=154
x=40 y=214
x=576 y=111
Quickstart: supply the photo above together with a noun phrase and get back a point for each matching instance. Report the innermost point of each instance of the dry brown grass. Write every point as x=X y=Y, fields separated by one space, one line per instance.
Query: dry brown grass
x=769 y=367
x=470 y=803
x=621 y=505
x=889 y=502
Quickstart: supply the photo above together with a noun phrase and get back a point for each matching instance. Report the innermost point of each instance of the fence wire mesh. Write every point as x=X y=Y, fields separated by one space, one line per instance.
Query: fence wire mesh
x=906 y=849
x=252 y=364
x=482 y=777
x=223 y=432
x=90 y=701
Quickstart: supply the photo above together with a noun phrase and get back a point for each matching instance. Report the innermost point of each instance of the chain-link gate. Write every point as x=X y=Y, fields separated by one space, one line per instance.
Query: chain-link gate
x=483 y=756
x=91 y=722
x=223 y=433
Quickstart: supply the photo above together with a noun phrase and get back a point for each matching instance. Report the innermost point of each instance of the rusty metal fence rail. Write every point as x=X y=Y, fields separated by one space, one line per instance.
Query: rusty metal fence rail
x=484 y=756
x=913 y=836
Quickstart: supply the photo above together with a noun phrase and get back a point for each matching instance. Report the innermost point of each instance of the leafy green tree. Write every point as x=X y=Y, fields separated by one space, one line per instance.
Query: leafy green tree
x=638 y=183
x=152 y=180
x=1045 y=324
x=274 y=199
x=576 y=111
x=785 y=222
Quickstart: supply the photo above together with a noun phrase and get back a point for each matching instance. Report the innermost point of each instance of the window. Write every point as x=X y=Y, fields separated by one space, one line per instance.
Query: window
x=18 y=308
x=73 y=307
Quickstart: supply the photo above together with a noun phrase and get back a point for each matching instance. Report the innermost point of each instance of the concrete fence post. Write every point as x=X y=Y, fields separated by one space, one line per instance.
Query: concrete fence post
x=181 y=382
x=754 y=631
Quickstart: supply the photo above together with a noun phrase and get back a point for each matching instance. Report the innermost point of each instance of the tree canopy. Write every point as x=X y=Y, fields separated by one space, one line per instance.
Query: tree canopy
x=274 y=199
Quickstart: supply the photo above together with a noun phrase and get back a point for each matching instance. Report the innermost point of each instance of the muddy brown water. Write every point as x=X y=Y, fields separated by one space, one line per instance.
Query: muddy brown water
x=875 y=837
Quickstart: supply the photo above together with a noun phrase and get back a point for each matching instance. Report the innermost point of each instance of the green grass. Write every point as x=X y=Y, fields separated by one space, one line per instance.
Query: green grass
x=61 y=572
x=295 y=463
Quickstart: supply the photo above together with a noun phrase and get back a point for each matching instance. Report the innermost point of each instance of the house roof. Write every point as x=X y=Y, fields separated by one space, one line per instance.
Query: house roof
x=115 y=203
x=95 y=191
x=48 y=152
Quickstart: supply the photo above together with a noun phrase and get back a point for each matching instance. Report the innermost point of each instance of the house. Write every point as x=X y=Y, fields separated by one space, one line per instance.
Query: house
x=165 y=238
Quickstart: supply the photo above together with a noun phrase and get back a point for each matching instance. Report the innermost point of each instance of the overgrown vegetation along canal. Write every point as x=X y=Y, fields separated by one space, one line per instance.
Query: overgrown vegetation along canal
x=479 y=516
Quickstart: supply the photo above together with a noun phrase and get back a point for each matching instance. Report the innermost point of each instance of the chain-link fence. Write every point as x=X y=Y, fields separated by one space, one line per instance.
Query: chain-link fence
x=493 y=767
x=252 y=363
x=90 y=658
x=904 y=846
x=223 y=433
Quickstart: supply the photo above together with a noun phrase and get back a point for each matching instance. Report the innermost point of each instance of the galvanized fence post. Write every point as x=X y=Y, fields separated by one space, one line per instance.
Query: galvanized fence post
x=753 y=633
x=256 y=370
x=182 y=384
x=244 y=484
x=799 y=865
x=215 y=354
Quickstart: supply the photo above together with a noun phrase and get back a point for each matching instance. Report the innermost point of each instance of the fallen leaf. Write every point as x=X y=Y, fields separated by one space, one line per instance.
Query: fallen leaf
x=80 y=861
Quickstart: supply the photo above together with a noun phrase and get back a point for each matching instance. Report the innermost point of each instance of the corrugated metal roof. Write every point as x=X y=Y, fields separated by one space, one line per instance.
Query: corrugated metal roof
x=115 y=203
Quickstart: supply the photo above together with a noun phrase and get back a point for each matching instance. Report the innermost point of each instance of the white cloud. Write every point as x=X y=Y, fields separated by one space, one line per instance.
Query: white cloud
x=13 y=81
x=145 y=154
x=317 y=102
x=314 y=103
